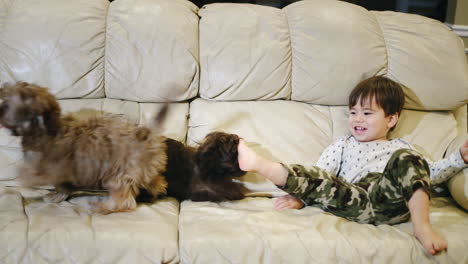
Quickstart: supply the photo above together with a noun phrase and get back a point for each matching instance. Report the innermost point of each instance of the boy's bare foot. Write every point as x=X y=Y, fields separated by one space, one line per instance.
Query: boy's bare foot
x=431 y=241
x=288 y=202
x=250 y=161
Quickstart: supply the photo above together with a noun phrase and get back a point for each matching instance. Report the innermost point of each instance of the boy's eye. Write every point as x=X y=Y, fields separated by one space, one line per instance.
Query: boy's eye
x=352 y=113
x=367 y=113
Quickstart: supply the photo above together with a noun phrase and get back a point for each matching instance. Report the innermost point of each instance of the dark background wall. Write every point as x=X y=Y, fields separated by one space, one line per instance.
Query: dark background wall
x=274 y=3
x=436 y=9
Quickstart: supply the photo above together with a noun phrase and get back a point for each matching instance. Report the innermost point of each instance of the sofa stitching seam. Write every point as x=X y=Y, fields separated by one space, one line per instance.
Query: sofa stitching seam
x=384 y=41
x=291 y=52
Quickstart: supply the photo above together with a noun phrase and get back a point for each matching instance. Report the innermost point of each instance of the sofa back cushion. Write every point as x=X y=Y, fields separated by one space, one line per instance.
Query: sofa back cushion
x=318 y=50
x=152 y=50
x=334 y=46
x=244 y=53
x=137 y=50
x=55 y=44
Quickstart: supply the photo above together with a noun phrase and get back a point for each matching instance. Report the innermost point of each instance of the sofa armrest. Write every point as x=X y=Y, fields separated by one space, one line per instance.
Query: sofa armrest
x=458 y=184
x=458 y=187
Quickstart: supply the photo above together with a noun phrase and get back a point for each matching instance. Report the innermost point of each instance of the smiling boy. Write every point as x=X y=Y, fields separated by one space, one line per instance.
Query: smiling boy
x=366 y=177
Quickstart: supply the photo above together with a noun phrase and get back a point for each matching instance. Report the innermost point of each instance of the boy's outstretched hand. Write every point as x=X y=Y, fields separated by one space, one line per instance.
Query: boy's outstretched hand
x=464 y=151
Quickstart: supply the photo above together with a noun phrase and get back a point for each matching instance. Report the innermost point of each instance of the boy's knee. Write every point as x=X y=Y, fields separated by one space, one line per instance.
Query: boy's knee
x=408 y=166
x=408 y=158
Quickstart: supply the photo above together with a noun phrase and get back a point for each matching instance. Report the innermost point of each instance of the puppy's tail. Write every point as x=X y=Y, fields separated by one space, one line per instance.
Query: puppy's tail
x=155 y=127
x=159 y=118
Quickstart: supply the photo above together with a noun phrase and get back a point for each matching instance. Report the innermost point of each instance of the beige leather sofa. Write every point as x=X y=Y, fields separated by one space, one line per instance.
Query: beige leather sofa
x=279 y=78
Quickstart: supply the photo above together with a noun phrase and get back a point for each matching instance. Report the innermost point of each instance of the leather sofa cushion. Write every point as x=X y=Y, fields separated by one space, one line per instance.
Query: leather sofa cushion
x=252 y=231
x=34 y=231
x=64 y=51
x=152 y=52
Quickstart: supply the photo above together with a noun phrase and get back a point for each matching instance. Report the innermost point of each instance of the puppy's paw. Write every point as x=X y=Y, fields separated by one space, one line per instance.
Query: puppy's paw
x=55 y=197
x=98 y=207
x=108 y=207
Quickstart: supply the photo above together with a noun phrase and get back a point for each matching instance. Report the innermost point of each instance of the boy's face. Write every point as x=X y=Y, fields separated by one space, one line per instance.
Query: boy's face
x=369 y=123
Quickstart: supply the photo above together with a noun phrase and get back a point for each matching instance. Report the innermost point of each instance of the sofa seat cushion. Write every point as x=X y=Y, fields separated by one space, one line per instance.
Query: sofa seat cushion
x=251 y=231
x=38 y=232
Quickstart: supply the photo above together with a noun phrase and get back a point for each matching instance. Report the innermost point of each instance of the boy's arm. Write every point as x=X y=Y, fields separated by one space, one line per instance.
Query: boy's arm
x=444 y=169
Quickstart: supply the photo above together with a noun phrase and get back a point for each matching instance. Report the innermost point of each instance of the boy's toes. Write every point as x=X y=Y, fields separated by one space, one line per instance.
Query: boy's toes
x=440 y=246
x=431 y=250
x=437 y=247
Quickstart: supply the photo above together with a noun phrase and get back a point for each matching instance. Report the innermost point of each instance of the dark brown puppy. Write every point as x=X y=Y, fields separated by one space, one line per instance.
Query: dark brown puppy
x=205 y=173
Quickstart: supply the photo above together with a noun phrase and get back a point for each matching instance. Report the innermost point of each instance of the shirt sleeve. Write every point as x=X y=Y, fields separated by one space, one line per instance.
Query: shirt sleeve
x=444 y=169
x=330 y=160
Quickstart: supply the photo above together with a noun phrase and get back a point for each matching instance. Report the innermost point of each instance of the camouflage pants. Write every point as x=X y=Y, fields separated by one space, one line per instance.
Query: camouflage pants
x=378 y=198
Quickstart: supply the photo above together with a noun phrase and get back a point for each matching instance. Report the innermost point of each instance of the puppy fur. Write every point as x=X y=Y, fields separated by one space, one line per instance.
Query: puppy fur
x=205 y=173
x=105 y=152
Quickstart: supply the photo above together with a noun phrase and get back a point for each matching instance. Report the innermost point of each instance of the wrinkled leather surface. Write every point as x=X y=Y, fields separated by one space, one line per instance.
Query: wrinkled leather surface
x=245 y=53
x=63 y=51
x=152 y=50
x=322 y=49
x=38 y=232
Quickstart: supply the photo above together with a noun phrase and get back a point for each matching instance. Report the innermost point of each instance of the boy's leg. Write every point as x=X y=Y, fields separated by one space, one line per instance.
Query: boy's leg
x=402 y=191
x=318 y=187
x=313 y=187
x=419 y=209
x=406 y=172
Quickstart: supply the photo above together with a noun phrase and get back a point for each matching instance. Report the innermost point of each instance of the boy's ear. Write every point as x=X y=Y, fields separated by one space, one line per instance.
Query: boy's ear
x=392 y=120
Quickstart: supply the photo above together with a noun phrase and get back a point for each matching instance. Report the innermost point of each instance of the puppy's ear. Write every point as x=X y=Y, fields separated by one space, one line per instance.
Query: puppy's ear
x=4 y=90
x=51 y=121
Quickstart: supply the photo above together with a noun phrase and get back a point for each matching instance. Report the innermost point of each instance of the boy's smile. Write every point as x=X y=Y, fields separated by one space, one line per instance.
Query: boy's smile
x=367 y=122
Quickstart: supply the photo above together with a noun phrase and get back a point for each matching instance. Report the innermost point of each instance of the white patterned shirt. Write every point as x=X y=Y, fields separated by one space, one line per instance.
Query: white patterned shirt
x=352 y=160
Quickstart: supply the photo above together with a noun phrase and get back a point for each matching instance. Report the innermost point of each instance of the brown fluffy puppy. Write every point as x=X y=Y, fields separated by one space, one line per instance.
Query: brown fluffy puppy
x=107 y=153
x=99 y=153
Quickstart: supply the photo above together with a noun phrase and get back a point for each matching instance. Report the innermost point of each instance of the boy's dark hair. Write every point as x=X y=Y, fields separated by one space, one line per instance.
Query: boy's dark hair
x=387 y=94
